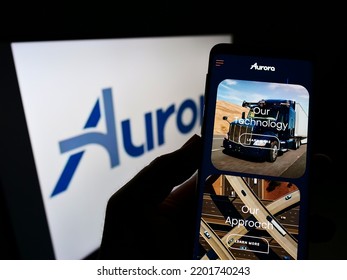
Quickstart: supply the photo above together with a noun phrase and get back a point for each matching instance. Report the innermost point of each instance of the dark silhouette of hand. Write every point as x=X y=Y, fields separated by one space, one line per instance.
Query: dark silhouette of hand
x=152 y=216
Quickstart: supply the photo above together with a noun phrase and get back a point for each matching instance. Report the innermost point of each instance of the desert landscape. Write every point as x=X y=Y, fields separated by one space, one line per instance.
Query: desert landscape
x=231 y=110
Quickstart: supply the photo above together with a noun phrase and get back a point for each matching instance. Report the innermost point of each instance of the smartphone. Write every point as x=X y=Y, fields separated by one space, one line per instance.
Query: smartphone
x=253 y=182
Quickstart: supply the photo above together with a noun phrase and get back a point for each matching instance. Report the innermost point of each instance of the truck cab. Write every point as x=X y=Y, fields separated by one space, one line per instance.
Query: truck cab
x=268 y=130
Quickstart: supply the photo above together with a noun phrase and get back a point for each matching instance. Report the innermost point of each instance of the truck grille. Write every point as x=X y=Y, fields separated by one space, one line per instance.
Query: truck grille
x=240 y=134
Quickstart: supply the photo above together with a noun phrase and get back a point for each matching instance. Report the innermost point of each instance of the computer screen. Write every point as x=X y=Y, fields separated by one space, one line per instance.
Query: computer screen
x=80 y=118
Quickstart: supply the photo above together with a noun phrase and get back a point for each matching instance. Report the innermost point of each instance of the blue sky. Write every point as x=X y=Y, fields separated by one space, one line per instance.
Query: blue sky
x=236 y=91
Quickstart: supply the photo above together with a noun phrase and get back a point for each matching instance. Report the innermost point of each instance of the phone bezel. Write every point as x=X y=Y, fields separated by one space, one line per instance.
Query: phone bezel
x=268 y=53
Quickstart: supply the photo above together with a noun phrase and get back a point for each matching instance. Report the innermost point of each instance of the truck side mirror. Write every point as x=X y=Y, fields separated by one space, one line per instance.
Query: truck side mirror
x=225 y=118
x=243 y=115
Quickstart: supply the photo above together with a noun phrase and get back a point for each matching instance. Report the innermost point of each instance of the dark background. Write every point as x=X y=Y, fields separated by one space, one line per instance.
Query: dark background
x=319 y=29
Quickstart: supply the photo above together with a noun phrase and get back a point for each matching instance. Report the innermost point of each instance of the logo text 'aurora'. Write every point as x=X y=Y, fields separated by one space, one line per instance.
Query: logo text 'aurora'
x=109 y=140
x=255 y=66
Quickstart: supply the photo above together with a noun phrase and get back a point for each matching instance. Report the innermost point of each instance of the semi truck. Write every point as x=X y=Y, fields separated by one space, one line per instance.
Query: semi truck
x=271 y=127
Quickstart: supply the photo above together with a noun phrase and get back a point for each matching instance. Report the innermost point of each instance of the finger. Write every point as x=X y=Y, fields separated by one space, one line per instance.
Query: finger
x=154 y=182
x=184 y=195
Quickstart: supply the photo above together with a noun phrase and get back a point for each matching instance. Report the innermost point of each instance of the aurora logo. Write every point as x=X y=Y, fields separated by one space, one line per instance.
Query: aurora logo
x=255 y=66
x=109 y=140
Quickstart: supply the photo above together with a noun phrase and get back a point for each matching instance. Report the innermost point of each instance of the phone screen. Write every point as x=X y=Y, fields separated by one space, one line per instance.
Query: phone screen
x=253 y=181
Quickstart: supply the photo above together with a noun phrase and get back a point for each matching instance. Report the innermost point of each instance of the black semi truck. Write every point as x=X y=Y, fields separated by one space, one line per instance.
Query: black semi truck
x=270 y=128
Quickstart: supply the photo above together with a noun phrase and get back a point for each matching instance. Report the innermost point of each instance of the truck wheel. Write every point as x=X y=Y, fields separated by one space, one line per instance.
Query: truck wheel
x=273 y=152
x=297 y=144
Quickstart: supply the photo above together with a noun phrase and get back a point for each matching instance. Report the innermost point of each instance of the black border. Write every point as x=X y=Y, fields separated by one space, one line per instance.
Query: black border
x=19 y=180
